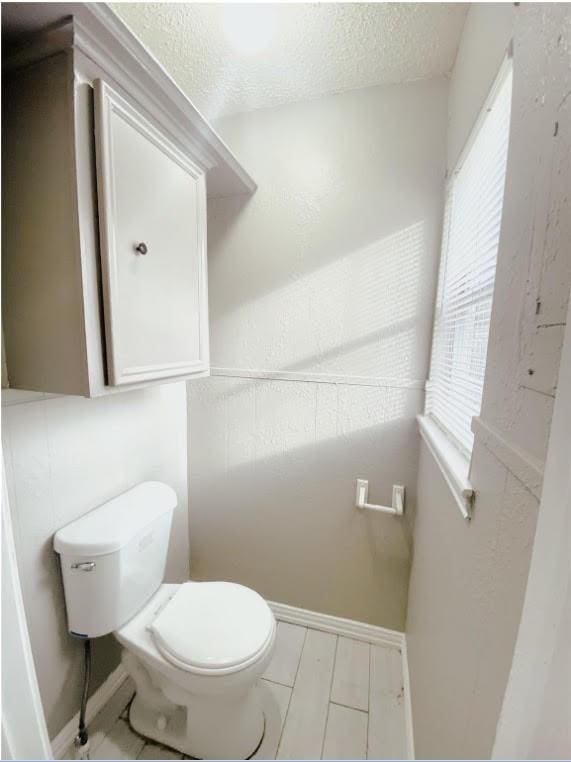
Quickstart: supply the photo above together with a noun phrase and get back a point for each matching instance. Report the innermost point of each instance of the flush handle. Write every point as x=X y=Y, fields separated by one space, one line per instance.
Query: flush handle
x=84 y=566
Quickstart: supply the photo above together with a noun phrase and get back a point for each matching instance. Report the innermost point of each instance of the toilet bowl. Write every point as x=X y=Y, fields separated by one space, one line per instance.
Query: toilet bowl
x=195 y=653
x=195 y=650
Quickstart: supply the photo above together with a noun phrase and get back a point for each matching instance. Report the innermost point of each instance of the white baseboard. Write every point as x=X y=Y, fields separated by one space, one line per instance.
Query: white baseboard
x=407 y=702
x=368 y=633
x=95 y=704
x=338 y=626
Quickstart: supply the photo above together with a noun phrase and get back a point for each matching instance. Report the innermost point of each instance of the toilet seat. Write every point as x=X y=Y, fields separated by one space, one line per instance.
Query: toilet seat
x=213 y=627
x=211 y=713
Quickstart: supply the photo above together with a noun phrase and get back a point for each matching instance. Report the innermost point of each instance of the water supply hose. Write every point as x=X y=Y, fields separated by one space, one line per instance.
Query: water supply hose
x=82 y=737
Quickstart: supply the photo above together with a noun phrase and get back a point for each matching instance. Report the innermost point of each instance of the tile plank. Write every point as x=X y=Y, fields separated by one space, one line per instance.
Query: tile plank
x=120 y=743
x=289 y=643
x=107 y=717
x=346 y=733
x=157 y=751
x=275 y=701
x=387 y=727
x=304 y=728
x=351 y=674
x=335 y=681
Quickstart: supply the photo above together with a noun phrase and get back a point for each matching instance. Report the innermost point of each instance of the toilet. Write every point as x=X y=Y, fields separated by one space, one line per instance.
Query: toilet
x=194 y=650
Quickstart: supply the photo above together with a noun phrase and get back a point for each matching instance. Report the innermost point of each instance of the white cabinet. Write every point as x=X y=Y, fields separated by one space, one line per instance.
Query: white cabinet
x=106 y=167
x=152 y=220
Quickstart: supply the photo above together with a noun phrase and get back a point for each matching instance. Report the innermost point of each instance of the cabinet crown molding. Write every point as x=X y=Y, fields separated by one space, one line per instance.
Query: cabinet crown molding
x=104 y=236
x=96 y=33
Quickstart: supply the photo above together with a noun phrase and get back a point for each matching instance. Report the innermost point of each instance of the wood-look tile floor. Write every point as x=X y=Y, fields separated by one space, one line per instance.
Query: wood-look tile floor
x=325 y=697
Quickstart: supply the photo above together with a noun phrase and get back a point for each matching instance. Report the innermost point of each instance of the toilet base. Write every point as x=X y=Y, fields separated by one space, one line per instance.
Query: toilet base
x=227 y=725
x=171 y=731
x=146 y=721
x=149 y=723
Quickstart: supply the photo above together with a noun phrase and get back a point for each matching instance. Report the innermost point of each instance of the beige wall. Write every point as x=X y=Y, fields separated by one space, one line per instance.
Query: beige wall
x=327 y=273
x=64 y=456
x=468 y=579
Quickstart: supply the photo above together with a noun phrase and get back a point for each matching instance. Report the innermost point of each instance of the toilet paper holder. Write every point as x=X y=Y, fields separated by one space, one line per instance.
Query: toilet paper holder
x=362 y=496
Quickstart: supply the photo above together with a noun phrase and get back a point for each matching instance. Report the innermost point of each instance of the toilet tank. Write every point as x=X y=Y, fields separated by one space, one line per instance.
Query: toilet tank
x=113 y=558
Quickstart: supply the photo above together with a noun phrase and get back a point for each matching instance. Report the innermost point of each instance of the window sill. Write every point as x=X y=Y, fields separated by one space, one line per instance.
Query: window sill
x=452 y=463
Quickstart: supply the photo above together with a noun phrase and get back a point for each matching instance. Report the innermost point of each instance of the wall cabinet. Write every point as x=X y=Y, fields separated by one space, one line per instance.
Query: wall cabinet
x=104 y=215
x=152 y=220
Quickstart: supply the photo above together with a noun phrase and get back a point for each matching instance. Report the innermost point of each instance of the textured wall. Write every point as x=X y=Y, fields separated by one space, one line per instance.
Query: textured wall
x=534 y=722
x=330 y=266
x=466 y=592
x=64 y=456
x=475 y=68
x=468 y=580
x=328 y=269
x=535 y=266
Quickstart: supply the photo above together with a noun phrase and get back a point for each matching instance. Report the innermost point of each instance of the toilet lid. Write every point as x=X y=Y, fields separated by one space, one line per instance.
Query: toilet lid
x=212 y=625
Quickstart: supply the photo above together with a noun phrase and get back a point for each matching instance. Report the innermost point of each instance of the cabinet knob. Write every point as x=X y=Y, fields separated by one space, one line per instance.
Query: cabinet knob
x=141 y=248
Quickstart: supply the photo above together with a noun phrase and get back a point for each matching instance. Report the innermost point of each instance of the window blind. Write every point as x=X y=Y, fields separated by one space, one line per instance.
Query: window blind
x=471 y=231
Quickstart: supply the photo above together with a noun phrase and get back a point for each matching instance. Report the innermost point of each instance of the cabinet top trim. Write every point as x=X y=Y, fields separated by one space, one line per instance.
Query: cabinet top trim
x=97 y=32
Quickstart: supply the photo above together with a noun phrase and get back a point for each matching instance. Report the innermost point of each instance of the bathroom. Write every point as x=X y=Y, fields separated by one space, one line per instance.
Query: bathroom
x=370 y=454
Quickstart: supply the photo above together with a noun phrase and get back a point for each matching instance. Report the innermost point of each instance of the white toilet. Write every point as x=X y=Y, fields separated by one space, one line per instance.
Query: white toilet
x=195 y=650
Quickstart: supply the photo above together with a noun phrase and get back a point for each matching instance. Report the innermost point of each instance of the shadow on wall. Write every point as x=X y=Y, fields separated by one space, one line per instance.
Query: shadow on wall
x=328 y=268
x=274 y=463
x=364 y=311
x=340 y=179
x=273 y=482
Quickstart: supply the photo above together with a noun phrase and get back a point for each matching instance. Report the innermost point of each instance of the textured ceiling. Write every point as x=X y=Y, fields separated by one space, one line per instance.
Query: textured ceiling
x=316 y=48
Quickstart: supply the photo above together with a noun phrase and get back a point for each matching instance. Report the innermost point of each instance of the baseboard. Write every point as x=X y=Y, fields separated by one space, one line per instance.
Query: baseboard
x=338 y=626
x=95 y=704
x=408 y=702
x=368 y=633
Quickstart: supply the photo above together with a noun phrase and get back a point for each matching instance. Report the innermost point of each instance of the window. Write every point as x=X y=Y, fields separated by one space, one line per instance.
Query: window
x=472 y=219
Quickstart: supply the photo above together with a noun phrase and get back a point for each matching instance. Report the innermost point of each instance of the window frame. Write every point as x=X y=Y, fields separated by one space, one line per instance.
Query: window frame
x=453 y=459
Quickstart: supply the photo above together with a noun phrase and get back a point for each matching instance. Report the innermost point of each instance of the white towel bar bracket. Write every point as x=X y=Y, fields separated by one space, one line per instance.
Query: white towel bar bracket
x=362 y=495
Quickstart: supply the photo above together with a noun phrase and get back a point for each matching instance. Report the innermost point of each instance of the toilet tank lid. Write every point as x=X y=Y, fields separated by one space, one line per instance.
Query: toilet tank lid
x=112 y=525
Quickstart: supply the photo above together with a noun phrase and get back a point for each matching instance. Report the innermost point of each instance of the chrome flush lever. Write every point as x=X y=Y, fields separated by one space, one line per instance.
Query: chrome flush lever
x=84 y=566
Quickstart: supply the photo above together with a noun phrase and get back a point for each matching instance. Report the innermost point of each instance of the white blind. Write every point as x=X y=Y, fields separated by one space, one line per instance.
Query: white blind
x=472 y=219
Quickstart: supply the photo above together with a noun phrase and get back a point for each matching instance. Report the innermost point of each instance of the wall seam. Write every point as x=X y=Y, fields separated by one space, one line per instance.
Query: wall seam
x=522 y=465
x=319 y=378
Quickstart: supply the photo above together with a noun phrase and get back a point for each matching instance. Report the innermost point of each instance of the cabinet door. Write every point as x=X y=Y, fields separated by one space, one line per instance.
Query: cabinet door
x=152 y=219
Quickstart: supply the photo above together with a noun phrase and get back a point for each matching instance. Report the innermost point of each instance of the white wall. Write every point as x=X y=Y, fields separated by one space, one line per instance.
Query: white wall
x=535 y=266
x=465 y=597
x=486 y=34
x=468 y=579
x=534 y=722
x=64 y=456
x=328 y=269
